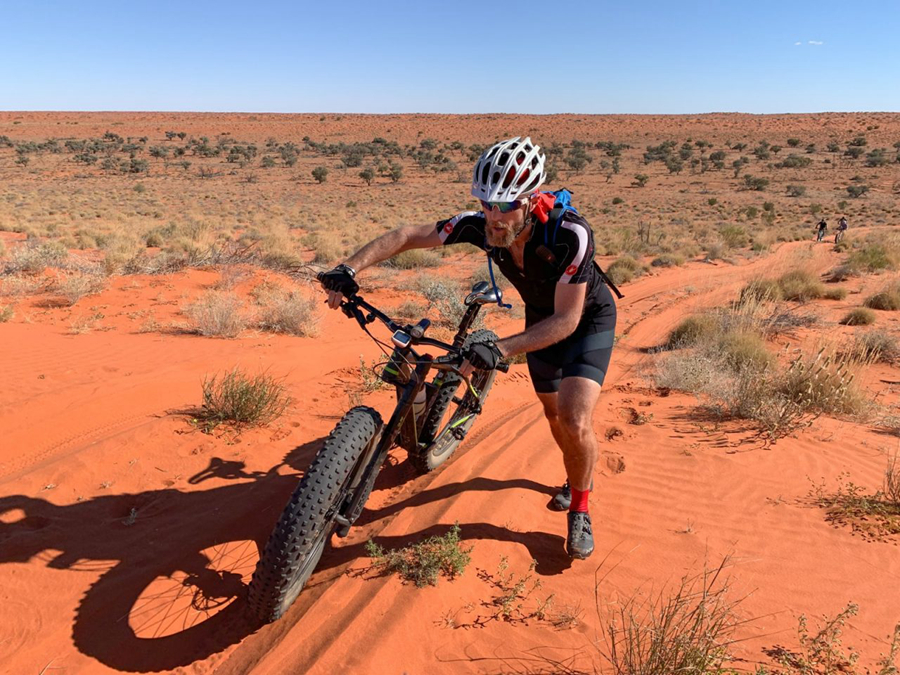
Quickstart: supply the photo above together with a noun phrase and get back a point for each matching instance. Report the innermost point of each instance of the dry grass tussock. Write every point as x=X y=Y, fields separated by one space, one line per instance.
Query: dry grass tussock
x=288 y=311
x=217 y=314
x=887 y=299
x=858 y=316
x=796 y=285
x=723 y=358
x=688 y=629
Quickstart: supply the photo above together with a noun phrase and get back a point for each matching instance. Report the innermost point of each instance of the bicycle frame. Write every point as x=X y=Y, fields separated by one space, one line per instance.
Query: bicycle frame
x=402 y=422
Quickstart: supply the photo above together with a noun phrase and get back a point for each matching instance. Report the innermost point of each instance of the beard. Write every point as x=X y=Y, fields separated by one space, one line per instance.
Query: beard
x=505 y=238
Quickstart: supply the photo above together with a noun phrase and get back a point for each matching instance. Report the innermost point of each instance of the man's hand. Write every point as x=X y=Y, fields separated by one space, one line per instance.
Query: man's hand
x=339 y=283
x=483 y=355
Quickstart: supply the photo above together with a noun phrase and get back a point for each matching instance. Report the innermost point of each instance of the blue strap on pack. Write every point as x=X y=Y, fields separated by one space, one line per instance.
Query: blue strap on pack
x=562 y=204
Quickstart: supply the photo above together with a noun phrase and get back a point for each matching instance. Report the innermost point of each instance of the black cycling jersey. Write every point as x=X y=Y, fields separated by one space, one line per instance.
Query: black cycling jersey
x=563 y=257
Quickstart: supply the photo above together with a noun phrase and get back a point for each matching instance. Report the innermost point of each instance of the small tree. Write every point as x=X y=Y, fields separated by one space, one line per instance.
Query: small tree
x=267 y=162
x=320 y=173
x=396 y=172
x=793 y=142
x=640 y=180
x=857 y=191
x=367 y=175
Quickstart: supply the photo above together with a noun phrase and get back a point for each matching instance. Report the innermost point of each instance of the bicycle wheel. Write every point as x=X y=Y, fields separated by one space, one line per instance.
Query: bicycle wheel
x=306 y=524
x=447 y=421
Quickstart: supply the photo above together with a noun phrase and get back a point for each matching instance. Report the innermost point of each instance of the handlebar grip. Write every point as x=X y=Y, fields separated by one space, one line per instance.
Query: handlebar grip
x=319 y=276
x=503 y=367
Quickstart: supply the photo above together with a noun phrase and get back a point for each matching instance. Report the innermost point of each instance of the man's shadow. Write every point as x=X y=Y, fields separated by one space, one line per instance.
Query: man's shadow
x=175 y=591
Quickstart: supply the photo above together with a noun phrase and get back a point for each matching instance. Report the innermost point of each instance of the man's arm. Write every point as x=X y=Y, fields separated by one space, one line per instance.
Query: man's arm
x=394 y=242
x=568 y=303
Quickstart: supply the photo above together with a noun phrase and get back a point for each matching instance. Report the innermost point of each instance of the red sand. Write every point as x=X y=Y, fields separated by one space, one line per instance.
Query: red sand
x=127 y=536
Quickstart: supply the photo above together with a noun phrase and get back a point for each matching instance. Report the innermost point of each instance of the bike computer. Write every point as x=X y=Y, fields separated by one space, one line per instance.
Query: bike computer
x=401 y=340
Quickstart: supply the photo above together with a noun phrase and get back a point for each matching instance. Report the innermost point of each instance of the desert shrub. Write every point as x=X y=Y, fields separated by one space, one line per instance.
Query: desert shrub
x=217 y=314
x=241 y=399
x=886 y=299
x=73 y=287
x=624 y=269
x=801 y=286
x=423 y=562
x=34 y=258
x=617 y=200
x=734 y=236
x=755 y=183
x=762 y=290
x=688 y=630
x=794 y=162
x=796 y=190
x=877 y=157
x=858 y=316
x=892 y=481
x=320 y=174
x=668 y=260
x=446 y=300
x=876 y=345
x=414 y=258
x=6 y=313
x=640 y=180
x=291 y=312
x=857 y=191
x=409 y=310
x=691 y=330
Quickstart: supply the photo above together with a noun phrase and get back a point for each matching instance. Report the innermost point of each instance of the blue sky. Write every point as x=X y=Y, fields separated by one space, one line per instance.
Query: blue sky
x=676 y=56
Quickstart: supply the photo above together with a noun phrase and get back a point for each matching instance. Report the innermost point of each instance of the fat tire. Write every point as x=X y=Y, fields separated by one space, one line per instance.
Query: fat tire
x=439 y=448
x=305 y=526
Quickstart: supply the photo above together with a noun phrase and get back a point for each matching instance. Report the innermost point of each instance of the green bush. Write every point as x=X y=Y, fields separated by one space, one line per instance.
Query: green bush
x=320 y=173
x=368 y=175
x=241 y=399
x=755 y=183
x=424 y=562
x=857 y=191
x=794 y=162
x=796 y=190
x=743 y=349
x=858 y=316
x=640 y=180
x=835 y=293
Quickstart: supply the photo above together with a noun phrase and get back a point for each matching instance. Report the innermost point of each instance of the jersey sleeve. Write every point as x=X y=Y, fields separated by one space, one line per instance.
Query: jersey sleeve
x=464 y=228
x=576 y=243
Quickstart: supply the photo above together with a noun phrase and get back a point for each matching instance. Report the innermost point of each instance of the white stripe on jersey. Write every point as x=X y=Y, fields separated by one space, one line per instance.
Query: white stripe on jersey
x=579 y=254
x=450 y=224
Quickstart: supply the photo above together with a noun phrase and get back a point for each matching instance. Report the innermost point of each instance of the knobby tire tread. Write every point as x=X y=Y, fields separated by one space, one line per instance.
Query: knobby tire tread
x=302 y=525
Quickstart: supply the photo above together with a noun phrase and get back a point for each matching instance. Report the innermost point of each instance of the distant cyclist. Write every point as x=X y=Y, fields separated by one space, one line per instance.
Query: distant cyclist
x=821 y=228
x=841 y=229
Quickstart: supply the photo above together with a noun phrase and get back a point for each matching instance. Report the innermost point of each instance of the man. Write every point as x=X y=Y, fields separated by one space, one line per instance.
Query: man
x=821 y=228
x=570 y=314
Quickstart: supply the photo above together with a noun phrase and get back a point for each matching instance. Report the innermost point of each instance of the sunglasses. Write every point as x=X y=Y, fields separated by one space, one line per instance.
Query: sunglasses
x=503 y=207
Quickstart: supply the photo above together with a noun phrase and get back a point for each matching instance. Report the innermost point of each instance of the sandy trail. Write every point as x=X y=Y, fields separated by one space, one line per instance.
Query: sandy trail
x=114 y=513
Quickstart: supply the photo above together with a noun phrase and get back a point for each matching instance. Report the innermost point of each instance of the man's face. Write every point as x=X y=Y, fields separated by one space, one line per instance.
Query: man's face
x=503 y=228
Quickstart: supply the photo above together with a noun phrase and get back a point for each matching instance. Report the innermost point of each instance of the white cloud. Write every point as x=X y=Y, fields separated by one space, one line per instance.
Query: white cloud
x=816 y=42
x=797 y=44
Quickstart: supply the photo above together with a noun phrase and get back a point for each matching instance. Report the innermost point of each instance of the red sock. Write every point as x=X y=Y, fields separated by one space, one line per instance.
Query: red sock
x=579 y=500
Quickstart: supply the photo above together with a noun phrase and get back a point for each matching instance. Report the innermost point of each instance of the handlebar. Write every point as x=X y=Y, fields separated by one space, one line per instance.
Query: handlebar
x=350 y=306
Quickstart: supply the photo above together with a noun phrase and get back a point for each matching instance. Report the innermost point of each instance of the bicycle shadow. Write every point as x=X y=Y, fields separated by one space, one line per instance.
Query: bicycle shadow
x=176 y=564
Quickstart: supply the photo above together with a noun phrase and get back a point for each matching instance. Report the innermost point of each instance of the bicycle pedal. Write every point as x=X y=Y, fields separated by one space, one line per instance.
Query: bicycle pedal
x=342 y=531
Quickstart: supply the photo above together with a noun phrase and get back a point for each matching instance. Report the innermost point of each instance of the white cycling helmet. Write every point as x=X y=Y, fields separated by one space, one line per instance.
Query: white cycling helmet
x=508 y=170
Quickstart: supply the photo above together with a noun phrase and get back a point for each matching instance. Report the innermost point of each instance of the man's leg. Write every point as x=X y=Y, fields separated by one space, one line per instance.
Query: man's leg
x=577 y=398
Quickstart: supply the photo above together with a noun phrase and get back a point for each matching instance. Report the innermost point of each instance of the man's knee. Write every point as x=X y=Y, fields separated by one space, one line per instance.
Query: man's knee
x=577 y=423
